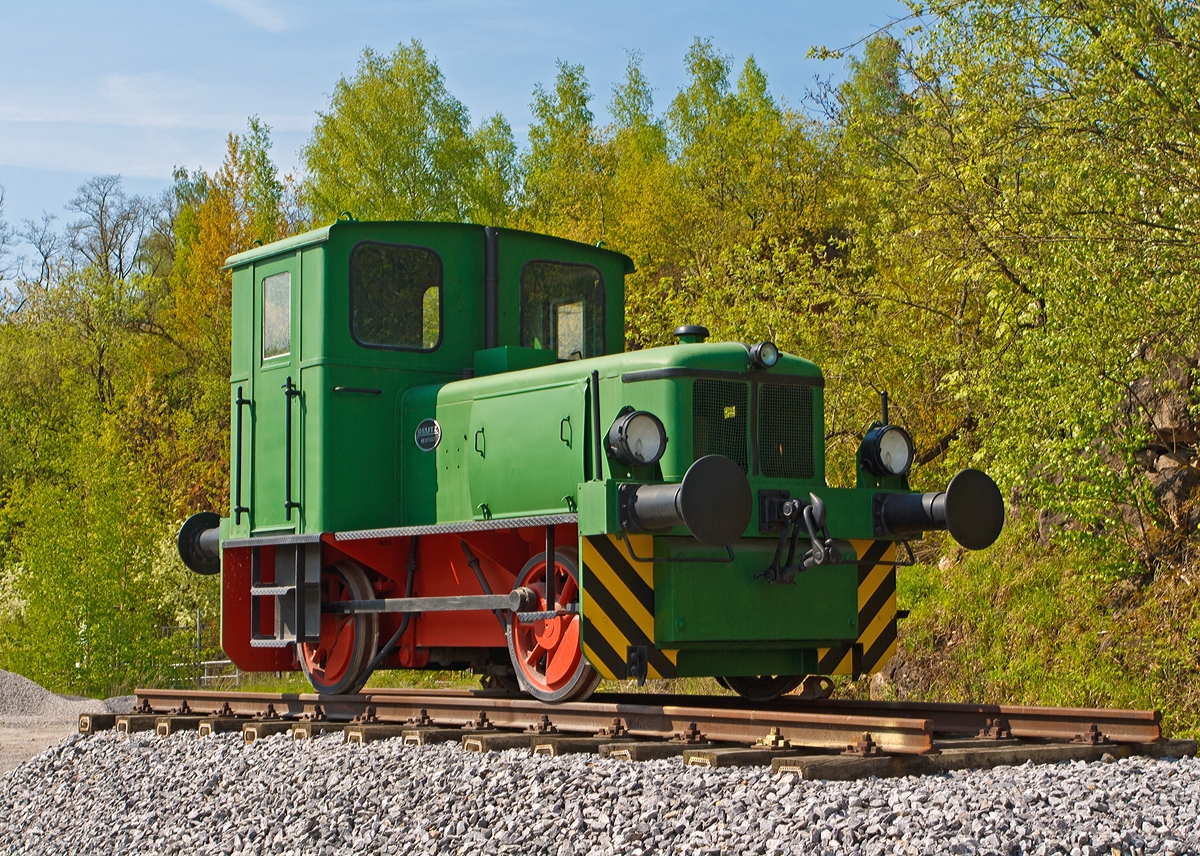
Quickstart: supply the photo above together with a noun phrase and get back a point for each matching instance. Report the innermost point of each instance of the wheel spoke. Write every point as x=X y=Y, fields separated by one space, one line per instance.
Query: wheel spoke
x=535 y=654
x=548 y=653
x=561 y=663
x=330 y=662
x=569 y=593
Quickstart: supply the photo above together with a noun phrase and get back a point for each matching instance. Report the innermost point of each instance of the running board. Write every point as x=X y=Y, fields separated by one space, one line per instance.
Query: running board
x=514 y=601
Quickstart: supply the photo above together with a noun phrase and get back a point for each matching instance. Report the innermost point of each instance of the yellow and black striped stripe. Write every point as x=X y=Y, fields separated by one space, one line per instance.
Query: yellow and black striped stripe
x=617 y=608
x=876 y=641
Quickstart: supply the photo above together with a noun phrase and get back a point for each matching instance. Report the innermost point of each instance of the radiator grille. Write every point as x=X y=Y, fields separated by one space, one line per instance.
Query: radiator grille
x=785 y=431
x=719 y=420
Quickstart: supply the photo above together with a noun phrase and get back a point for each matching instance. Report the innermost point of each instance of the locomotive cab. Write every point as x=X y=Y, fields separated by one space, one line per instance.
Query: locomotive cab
x=442 y=457
x=332 y=328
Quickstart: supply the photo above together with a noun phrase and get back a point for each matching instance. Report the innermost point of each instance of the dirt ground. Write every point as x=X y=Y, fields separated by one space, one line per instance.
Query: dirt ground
x=20 y=744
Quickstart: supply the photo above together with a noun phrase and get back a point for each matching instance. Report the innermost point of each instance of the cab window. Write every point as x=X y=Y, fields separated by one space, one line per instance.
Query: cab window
x=277 y=315
x=395 y=296
x=562 y=309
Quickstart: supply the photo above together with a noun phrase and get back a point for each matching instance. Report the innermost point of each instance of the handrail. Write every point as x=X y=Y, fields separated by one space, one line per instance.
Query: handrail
x=597 y=440
x=290 y=391
x=238 y=508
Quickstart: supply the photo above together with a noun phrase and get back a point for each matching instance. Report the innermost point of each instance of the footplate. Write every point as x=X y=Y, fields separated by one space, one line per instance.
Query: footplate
x=291 y=580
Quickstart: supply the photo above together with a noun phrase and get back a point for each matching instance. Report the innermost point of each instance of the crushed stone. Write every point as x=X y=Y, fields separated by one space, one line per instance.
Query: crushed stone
x=24 y=703
x=216 y=795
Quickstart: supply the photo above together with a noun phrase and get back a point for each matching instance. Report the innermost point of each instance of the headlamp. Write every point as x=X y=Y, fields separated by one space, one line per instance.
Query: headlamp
x=764 y=355
x=887 y=450
x=637 y=439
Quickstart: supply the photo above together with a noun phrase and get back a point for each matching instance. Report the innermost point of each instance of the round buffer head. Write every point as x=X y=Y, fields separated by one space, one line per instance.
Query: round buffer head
x=188 y=543
x=974 y=509
x=715 y=501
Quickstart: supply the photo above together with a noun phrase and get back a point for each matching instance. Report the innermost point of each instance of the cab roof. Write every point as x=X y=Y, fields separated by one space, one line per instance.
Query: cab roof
x=317 y=236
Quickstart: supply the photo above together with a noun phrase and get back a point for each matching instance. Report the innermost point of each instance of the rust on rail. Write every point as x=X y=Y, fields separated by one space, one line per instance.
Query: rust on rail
x=643 y=716
x=897 y=727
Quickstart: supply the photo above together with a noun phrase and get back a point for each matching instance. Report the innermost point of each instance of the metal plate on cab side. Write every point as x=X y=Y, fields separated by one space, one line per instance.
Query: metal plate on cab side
x=428 y=435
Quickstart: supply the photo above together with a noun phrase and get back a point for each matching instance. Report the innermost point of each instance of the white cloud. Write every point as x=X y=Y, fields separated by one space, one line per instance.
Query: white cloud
x=258 y=13
x=151 y=100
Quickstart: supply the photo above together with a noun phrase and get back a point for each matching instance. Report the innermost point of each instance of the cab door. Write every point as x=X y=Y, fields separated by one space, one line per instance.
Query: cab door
x=275 y=458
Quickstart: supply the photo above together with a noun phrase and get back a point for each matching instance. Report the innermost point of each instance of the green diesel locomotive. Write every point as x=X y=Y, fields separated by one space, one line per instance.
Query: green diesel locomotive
x=442 y=457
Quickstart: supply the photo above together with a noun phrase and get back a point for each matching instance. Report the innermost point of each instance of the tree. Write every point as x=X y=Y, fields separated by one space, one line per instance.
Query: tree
x=6 y=236
x=114 y=418
x=566 y=170
x=48 y=245
x=110 y=233
x=494 y=194
x=395 y=144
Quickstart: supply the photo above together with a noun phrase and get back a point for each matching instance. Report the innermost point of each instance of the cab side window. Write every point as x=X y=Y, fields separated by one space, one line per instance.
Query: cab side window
x=277 y=315
x=562 y=309
x=395 y=296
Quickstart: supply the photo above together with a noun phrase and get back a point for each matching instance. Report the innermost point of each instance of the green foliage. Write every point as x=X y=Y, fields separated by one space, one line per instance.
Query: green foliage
x=114 y=365
x=993 y=219
x=396 y=145
x=565 y=171
x=86 y=579
x=1021 y=624
x=1027 y=190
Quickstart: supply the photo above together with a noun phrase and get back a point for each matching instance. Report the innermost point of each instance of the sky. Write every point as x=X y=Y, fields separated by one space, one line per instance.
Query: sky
x=138 y=88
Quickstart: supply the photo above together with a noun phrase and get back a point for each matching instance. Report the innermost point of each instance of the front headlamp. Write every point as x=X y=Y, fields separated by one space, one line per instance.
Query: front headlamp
x=887 y=450
x=764 y=355
x=637 y=439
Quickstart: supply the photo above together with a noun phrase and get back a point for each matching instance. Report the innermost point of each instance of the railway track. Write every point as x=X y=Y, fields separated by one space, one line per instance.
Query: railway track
x=826 y=738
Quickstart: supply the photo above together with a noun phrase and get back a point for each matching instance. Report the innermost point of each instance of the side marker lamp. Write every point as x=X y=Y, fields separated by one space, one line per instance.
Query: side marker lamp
x=887 y=450
x=637 y=439
x=764 y=355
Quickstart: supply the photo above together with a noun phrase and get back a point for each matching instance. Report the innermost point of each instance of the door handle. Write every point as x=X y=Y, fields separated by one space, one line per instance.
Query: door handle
x=478 y=448
x=564 y=430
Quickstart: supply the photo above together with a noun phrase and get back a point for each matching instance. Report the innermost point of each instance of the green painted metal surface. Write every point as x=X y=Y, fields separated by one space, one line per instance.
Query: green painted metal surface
x=515 y=423
x=731 y=661
x=698 y=604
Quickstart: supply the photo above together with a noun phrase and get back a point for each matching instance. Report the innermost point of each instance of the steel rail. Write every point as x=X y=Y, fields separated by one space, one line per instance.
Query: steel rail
x=640 y=715
x=948 y=718
x=903 y=727
x=1021 y=721
x=958 y=719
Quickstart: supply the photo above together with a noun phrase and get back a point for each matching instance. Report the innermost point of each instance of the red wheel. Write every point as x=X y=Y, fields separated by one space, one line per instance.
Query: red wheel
x=337 y=662
x=547 y=653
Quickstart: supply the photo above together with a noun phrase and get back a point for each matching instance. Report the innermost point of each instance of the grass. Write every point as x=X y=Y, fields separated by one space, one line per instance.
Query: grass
x=1023 y=624
x=295 y=682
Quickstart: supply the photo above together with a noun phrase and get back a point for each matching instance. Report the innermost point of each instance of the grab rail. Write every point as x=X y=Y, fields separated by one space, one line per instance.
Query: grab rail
x=290 y=391
x=238 y=508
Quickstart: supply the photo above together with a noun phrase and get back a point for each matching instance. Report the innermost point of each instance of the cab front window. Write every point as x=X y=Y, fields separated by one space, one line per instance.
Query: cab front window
x=562 y=309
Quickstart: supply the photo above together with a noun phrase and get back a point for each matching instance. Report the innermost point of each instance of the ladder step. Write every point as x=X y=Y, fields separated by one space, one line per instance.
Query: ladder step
x=270 y=591
x=270 y=643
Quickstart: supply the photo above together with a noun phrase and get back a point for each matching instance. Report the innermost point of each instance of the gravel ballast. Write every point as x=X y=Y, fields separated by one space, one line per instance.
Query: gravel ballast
x=112 y=793
x=25 y=703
